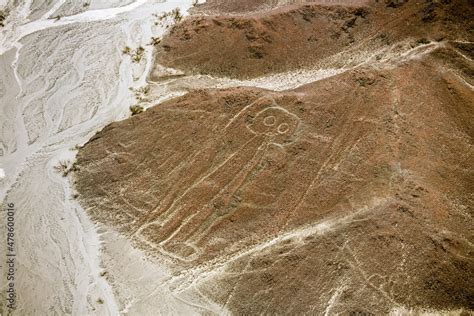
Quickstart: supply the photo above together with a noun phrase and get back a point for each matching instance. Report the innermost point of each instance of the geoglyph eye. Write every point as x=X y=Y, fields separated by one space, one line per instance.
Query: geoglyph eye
x=269 y=120
x=283 y=128
x=274 y=121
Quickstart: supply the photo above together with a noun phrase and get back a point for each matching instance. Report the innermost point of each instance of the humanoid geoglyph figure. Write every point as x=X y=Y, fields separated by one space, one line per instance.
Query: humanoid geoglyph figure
x=180 y=224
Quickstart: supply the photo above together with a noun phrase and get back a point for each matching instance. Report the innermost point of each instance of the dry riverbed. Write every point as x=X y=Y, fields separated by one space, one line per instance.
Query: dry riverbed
x=61 y=80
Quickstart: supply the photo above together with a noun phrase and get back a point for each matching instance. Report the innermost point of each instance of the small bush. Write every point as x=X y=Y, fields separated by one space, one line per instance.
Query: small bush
x=155 y=41
x=167 y=18
x=141 y=94
x=144 y=90
x=136 y=54
x=126 y=50
x=3 y=17
x=176 y=14
x=136 y=109
x=64 y=167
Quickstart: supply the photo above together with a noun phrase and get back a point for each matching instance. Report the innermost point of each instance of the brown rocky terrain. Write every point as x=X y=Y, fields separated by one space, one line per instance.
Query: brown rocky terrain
x=362 y=182
x=248 y=6
x=292 y=37
x=350 y=195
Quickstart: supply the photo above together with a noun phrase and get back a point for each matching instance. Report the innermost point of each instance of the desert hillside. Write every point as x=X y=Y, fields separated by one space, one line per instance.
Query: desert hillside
x=297 y=36
x=351 y=194
x=237 y=157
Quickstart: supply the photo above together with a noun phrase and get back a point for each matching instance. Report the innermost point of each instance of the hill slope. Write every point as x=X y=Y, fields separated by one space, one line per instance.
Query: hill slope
x=351 y=194
x=295 y=37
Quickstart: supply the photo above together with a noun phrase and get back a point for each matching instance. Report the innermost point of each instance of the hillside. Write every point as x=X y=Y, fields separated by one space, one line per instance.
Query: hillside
x=350 y=194
x=300 y=36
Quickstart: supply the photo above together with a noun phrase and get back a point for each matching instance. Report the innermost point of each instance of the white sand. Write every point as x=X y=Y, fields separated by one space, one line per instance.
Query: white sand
x=60 y=82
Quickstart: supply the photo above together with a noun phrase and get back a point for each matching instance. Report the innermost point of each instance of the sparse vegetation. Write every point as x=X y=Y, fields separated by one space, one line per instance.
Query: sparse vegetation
x=136 y=54
x=100 y=301
x=141 y=94
x=160 y=18
x=143 y=91
x=155 y=41
x=136 y=109
x=164 y=19
x=176 y=14
x=3 y=17
x=64 y=167
x=126 y=50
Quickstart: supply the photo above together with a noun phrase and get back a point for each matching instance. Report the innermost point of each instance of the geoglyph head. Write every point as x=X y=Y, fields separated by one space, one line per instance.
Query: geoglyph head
x=276 y=123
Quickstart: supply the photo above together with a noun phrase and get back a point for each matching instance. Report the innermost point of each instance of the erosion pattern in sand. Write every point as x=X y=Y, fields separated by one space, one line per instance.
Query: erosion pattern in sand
x=60 y=81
